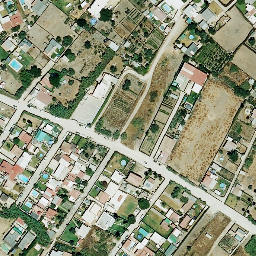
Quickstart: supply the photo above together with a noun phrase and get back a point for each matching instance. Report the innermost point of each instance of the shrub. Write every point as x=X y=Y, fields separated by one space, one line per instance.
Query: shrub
x=131 y=219
x=106 y=14
x=250 y=247
x=153 y=96
x=87 y=44
x=233 y=68
x=67 y=40
x=251 y=41
x=154 y=128
x=55 y=79
x=126 y=85
x=143 y=203
x=233 y=155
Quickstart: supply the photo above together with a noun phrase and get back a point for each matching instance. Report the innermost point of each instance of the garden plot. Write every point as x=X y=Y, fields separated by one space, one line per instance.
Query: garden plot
x=86 y=59
x=210 y=119
x=246 y=60
x=159 y=122
x=212 y=57
x=123 y=103
x=167 y=65
x=237 y=29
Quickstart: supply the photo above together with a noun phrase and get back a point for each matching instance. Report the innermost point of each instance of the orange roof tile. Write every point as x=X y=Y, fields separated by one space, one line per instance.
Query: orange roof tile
x=16 y=19
x=25 y=137
x=50 y=214
x=193 y=74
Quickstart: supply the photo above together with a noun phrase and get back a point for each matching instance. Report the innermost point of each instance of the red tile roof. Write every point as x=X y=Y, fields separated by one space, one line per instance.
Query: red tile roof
x=193 y=74
x=16 y=19
x=50 y=214
x=185 y=222
x=25 y=137
x=12 y=171
x=7 y=25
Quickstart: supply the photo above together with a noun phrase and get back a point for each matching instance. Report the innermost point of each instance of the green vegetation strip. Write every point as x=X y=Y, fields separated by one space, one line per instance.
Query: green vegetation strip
x=65 y=112
x=14 y=212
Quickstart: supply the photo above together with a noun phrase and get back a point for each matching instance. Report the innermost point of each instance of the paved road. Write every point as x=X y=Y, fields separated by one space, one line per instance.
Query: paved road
x=243 y=158
x=80 y=200
x=139 y=217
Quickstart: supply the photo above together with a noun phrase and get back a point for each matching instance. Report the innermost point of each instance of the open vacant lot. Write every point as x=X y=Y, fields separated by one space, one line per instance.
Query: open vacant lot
x=52 y=20
x=167 y=65
x=234 y=32
x=205 y=241
x=211 y=119
x=246 y=60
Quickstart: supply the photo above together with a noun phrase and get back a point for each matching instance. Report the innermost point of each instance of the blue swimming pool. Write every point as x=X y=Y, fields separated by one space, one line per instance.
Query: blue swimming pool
x=23 y=178
x=34 y=193
x=22 y=2
x=28 y=204
x=45 y=176
x=14 y=64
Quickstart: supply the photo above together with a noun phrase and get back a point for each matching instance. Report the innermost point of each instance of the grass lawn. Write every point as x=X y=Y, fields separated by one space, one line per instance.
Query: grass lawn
x=241 y=7
x=66 y=206
x=128 y=207
x=154 y=220
x=34 y=162
x=94 y=192
x=41 y=186
x=3 y=54
x=8 y=145
x=34 y=252
x=27 y=173
x=231 y=201
x=68 y=235
x=75 y=139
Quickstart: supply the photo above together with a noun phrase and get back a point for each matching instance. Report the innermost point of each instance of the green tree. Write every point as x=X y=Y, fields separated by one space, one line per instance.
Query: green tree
x=35 y=71
x=106 y=14
x=113 y=68
x=154 y=128
x=70 y=55
x=143 y=203
x=176 y=192
x=233 y=68
x=131 y=219
x=16 y=140
x=251 y=41
x=126 y=85
x=87 y=44
x=58 y=39
x=233 y=155
x=250 y=247
x=55 y=79
x=71 y=72
x=22 y=35
x=153 y=96
x=67 y=40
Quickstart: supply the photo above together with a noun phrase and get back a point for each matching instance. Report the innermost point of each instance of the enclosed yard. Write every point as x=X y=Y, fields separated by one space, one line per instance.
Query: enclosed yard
x=167 y=65
x=246 y=60
x=123 y=103
x=128 y=207
x=210 y=119
x=53 y=21
x=231 y=35
x=86 y=59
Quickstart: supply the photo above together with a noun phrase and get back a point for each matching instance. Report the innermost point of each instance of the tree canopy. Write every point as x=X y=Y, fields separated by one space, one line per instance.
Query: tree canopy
x=143 y=203
x=106 y=14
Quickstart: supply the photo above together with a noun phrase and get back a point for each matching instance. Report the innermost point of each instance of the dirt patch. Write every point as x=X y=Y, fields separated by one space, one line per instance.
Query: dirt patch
x=206 y=239
x=246 y=60
x=240 y=252
x=123 y=103
x=5 y=225
x=53 y=21
x=30 y=120
x=167 y=65
x=237 y=29
x=211 y=119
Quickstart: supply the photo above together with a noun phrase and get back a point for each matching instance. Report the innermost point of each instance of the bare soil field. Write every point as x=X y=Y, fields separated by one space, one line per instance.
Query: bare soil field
x=168 y=65
x=12 y=85
x=203 y=244
x=52 y=20
x=86 y=59
x=240 y=252
x=246 y=60
x=25 y=118
x=211 y=119
x=122 y=104
x=226 y=2
x=237 y=29
x=6 y=110
x=5 y=224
